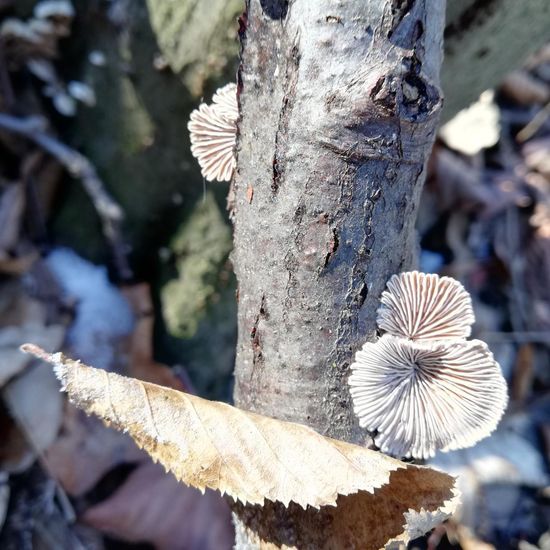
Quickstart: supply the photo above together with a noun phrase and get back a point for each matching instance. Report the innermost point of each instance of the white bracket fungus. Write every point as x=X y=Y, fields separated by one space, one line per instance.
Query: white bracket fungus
x=422 y=386
x=213 y=132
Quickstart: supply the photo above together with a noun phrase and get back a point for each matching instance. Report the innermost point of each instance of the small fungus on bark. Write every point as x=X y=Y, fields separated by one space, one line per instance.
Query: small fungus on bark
x=213 y=131
x=425 y=307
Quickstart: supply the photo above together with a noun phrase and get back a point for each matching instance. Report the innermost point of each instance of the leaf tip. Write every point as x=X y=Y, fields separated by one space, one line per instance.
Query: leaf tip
x=54 y=359
x=35 y=350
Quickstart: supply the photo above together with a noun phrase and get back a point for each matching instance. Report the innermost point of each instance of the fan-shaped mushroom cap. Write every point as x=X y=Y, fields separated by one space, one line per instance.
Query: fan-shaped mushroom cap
x=421 y=397
x=213 y=131
x=425 y=307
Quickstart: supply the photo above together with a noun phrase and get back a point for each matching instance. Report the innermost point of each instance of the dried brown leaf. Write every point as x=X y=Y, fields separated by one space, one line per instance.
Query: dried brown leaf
x=170 y=517
x=524 y=88
x=408 y=506
x=214 y=445
x=85 y=450
x=34 y=401
x=16 y=455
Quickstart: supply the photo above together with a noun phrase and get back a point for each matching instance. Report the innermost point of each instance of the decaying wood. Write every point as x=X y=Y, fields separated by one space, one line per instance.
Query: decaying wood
x=339 y=105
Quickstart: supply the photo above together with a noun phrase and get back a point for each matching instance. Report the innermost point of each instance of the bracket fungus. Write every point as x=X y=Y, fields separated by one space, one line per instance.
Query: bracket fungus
x=213 y=132
x=422 y=386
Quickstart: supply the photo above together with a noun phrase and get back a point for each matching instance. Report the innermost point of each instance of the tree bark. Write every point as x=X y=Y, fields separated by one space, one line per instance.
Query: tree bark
x=340 y=103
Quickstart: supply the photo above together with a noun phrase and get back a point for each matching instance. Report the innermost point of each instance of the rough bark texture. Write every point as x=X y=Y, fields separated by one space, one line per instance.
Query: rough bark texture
x=486 y=39
x=340 y=103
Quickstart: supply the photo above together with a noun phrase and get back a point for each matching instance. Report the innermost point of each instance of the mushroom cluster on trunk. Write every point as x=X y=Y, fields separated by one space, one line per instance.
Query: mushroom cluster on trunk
x=422 y=386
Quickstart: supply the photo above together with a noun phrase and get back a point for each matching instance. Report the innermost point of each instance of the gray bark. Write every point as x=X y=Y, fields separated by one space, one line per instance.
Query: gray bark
x=340 y=104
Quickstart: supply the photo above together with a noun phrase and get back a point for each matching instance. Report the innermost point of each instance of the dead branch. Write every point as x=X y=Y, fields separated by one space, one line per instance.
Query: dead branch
x=33 y=128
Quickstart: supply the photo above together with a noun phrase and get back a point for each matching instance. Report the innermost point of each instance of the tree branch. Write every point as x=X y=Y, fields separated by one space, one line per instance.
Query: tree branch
x=110 y=213
x=340 y=104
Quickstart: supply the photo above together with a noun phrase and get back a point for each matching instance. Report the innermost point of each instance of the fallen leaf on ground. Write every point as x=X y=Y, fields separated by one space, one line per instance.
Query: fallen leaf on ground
x=85 y=450
x=524 y=88
x=171 y=517
x=34 y=401
x=252 y=457
x=16 y=455
x=504 y=458
x=389 y=518
x=535 y=153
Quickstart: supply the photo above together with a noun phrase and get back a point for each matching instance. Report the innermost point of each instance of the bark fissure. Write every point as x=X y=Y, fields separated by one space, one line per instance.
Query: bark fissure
x=256 y=337
x=338 y=118
x=289 y=86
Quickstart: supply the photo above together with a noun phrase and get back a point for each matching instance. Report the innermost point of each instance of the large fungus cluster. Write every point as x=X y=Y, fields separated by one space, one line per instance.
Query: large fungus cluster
x=422 y=386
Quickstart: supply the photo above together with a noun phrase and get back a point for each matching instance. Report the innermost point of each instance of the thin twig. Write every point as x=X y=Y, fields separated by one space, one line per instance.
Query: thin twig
x=534 y=125
x=33 y=128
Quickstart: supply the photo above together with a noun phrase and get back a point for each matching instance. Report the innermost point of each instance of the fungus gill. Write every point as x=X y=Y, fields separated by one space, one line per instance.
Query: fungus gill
x=422 y=386
x=213 y=132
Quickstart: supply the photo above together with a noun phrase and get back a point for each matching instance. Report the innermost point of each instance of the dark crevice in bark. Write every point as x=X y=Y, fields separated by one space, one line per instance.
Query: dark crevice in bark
x=399 y=9
x=275 y=9
x=420 y=98
x=243 y=24
x=289 y=87
x=332 y=247
x=256 y=337
x=334 y=19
